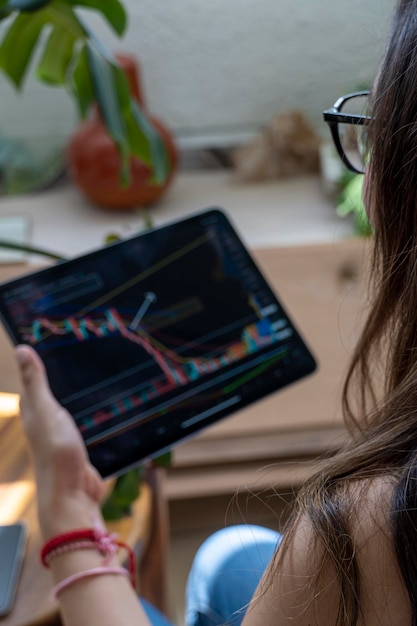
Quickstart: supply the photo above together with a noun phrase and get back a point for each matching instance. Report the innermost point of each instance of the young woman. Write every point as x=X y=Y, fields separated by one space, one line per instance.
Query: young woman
x=349 y=554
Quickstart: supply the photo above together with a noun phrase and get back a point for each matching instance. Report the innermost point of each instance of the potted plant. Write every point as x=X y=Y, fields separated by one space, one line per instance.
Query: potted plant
x=71 y=56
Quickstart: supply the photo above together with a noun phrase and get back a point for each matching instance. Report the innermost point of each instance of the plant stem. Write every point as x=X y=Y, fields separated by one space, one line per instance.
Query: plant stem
x=9 y=245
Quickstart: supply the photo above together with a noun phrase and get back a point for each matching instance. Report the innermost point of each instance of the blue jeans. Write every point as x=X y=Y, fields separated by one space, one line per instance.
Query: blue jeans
x=224 y=575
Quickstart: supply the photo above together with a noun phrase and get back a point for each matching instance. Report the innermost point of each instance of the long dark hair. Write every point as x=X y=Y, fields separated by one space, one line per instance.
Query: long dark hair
x=380 y=392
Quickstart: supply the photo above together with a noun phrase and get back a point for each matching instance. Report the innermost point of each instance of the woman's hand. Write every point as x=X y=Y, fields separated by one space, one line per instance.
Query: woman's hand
x=69 y=488
x=69 y=492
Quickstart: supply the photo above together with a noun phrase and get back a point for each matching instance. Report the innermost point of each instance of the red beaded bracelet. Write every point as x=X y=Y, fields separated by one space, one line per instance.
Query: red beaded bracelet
x=82 y=538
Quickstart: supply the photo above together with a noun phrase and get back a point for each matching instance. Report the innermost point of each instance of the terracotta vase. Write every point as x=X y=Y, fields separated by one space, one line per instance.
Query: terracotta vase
x=94 y=163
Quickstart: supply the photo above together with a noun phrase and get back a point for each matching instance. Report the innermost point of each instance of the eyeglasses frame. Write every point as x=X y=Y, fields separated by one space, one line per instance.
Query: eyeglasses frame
x=333 y=117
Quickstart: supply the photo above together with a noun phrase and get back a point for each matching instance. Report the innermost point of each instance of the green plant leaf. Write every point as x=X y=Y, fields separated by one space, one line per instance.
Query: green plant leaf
x=163 y=460
x=106 y=94
x=57 y=56
x=121 y=85
x=137 y=140
x=144 y=141
x=19 y=42
x=82 y=84
x=125 y=492
x=108 y=99
x=112 y=10
x=351 y=201
x=4 y=11
x=61 y=13
x=26 y=5
x=158 y=152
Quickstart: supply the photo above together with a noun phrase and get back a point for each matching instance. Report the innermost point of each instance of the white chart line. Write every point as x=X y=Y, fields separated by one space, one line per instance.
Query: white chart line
x=150 y=297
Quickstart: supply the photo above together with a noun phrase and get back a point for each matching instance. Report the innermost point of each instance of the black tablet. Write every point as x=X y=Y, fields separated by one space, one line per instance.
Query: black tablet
x=151 y=339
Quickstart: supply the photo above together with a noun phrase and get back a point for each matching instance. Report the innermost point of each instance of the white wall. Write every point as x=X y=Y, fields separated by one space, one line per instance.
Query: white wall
x=223 y=66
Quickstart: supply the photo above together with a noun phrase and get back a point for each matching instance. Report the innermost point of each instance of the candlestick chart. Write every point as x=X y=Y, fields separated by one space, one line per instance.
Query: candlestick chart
x=175 y=370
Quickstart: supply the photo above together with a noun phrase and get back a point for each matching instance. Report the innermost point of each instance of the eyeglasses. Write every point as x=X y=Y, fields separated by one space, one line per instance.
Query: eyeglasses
x=348 y=122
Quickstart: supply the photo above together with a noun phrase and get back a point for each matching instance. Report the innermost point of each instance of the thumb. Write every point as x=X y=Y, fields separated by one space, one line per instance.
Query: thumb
x=37 y=397
x=30 y=366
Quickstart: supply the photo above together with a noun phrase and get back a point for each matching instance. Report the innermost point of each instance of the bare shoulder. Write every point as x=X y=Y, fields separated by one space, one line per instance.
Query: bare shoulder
x=286 y=595
x=384 y=598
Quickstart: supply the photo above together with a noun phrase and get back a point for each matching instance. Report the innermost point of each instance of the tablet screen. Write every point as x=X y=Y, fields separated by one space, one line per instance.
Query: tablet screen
x=151 y=339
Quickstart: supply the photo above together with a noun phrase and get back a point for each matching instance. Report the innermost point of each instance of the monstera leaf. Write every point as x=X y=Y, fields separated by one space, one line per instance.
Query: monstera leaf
x=70 y=55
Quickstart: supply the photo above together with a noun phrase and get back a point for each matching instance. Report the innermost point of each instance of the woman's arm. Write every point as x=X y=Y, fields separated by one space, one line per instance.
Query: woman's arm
x=69 y=491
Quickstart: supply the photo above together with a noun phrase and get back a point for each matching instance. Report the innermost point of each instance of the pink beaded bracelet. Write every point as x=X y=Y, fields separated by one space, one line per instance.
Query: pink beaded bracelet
x=89 y=573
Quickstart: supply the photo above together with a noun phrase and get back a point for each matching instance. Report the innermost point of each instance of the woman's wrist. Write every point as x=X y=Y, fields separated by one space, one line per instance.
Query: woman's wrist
x=71 y=514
